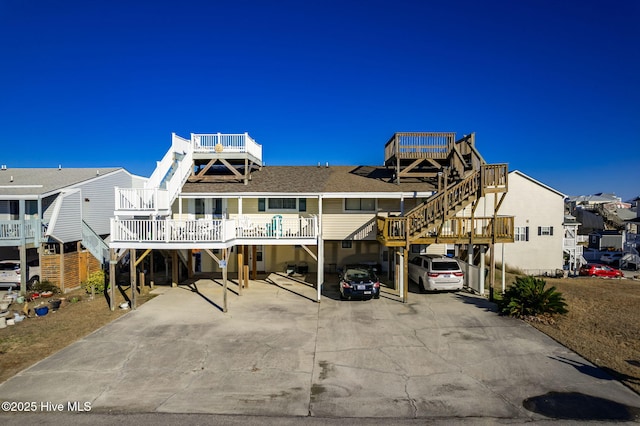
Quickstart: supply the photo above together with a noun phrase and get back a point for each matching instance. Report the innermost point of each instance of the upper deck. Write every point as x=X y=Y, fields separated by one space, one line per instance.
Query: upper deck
x=226 y=146
x=418 y=145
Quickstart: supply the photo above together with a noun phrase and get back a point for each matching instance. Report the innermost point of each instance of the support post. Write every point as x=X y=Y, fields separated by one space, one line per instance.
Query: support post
x=254 y=264
x=240 y=269
x=503 y=271
x=113 y=260
x=245 y=267
x=133 y=278
x=141 y=279
x=481 y=270
x=224 y=280
x=492 y=276
x=151 y=271
x=174 y=268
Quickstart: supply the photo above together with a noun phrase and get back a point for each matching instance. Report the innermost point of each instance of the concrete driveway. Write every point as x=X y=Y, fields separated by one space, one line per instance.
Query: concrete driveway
x=278 y=353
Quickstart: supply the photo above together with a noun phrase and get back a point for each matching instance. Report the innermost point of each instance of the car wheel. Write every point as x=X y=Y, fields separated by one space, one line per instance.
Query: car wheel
x=593 y=275
x=377 y=296
x=421 y=286
x=342 y=296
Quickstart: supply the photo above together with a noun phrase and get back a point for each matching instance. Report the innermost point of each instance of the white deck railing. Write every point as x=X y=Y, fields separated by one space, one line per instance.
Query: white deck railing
x=14 y=229
x=238 y=143
x=213 y=230
x=142 y=199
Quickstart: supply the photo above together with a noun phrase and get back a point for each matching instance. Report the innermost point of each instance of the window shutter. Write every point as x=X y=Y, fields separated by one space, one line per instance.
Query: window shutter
x=539 y=230
x=302 y=204
x=261 y=204
x=526 y=232
x=551 y=230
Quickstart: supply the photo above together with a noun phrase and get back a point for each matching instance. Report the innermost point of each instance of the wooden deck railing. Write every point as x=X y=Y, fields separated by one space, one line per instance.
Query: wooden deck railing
x=437 y=209
x=457 y=229
x=434 y=145
x=495 y=178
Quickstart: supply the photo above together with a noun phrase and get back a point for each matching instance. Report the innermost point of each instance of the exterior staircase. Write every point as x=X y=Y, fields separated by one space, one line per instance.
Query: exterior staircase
x=94 y=244
x=435 y=220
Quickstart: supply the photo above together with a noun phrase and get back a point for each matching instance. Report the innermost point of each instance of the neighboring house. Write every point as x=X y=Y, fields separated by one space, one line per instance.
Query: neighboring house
x=213 y=205
x=58 y=216
x=607 y=240
x=539 y=232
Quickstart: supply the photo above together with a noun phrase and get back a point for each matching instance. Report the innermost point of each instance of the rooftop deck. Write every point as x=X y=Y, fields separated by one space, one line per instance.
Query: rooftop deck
x=411 y=146
x=226 y=146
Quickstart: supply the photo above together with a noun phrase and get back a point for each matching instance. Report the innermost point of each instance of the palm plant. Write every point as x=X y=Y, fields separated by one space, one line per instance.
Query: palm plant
x=528 y=297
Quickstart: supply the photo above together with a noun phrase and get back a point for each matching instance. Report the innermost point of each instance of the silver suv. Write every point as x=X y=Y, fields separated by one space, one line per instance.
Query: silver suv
x=433 y=273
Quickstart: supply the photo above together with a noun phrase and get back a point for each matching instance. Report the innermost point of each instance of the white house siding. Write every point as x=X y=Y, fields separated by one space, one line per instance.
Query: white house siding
x=66 y=225
x=533 y=205
x=340 y=225
x=98 y=199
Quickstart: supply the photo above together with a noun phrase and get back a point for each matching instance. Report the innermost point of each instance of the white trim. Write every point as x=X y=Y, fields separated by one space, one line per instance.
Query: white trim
x=377 y=195
x=518 y=172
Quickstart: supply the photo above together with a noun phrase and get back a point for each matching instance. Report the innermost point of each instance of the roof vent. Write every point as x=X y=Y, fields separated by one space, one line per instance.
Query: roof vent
x=59 y=166
x=4 y=167
x=327 y=164
x=318 y=164
x=11 y=179
x=97 y=172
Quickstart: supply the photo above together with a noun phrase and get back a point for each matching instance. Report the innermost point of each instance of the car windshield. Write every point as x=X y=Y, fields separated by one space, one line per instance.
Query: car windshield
x=445 y=266
x=357 y=275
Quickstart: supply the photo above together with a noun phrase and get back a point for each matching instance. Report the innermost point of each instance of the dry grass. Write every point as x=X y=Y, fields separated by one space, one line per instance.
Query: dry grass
x=35 y=338
x=603 y=324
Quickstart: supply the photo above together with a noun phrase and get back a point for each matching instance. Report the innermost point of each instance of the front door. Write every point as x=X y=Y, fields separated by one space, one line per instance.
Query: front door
x=257 y=257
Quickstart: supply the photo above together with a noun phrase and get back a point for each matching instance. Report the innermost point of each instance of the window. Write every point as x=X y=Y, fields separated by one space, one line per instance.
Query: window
x=347 y=244
x=360 y=204
x=521 y=233
x=545 y=230
x=281 y=203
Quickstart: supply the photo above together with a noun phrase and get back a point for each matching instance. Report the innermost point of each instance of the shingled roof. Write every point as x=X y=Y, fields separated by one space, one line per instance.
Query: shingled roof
x=38 y=181
x=313 y=179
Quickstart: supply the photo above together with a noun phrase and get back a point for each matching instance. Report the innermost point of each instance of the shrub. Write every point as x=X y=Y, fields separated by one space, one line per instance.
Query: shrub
x=528 y=298
x=43 y=286
x=95 y=280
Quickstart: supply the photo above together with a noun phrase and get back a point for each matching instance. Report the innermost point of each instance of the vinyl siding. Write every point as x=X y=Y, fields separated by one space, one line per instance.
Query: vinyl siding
x=100 y=193
x=68 y=224
x=532 y=205
x=340 y=225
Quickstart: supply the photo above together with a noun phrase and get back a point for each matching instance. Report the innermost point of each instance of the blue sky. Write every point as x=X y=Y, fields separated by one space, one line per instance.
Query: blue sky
x=550 y=87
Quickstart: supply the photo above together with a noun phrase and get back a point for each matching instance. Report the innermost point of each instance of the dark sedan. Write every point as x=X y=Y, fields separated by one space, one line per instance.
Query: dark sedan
x=359 y=282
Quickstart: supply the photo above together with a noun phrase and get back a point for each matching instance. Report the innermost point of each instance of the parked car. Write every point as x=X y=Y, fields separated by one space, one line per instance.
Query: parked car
x=11 y=273
x=611 y=257
x=599 y=270
x=433 y=273
x=359 y=282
